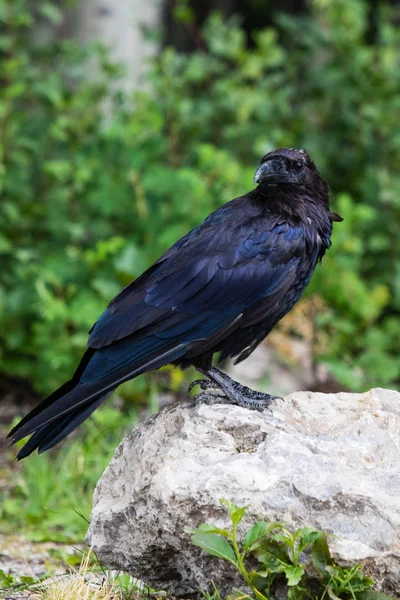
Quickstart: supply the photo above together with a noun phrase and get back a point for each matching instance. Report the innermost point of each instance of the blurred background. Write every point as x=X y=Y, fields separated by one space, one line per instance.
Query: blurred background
x=123 y=124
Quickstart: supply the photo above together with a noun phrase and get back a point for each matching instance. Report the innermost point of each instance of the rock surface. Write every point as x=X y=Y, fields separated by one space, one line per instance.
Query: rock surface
x=330 y=461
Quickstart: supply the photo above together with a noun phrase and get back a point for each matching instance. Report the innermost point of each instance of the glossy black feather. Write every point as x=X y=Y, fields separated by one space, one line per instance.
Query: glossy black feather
x=222 y=287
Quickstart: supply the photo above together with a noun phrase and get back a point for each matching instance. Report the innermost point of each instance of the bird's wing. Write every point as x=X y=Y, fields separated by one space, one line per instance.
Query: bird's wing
x=204 y=282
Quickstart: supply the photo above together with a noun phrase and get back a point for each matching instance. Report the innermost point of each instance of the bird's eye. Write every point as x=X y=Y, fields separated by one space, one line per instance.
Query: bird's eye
x=298 y=165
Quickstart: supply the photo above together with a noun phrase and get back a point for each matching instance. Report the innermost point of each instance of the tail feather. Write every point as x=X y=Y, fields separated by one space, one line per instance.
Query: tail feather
x=56 y=395
x=70 y=405
x=40 y=408
x=47 y=436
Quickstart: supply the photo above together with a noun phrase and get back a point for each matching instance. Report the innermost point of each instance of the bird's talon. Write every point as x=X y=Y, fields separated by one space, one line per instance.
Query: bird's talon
x=205 y=384
x=194 y=383
x=207 y=398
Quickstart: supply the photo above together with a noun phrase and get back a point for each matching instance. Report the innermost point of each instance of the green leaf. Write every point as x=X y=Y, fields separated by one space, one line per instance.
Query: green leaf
x=51 y=12
x=236 y=513
x=229 y=505
x=131 y=261
x=7 y=579
x=272 y=554
x=292 y=594
x=281 y=537
x=305 y=537
x=208 y=528
x=27 y=580
x=293 y=574
x=215 y=545
x=74 y=560
x=254 y=534
x=259 y=529
x=321 y=556
x=334 y=571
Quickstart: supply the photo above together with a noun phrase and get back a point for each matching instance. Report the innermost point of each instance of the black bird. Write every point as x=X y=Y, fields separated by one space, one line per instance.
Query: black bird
x=220 y=288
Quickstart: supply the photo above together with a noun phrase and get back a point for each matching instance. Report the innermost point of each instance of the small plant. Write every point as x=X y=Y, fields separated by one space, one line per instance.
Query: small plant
x=281 y=555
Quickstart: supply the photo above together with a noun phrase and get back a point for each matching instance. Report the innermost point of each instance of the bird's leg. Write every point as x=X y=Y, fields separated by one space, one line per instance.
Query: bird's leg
x=233 y=392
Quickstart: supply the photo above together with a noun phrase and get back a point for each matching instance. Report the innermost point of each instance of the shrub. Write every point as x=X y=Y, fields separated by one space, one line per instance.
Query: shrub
x=88 y=202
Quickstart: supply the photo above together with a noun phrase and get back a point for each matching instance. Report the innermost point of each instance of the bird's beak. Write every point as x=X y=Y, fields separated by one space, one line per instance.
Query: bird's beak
x=272 y=171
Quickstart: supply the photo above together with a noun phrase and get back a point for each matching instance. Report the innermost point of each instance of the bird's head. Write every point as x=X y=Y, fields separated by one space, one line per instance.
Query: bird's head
x=287 y=166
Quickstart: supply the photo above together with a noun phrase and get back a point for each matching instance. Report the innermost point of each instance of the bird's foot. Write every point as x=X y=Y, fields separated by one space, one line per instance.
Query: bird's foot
x=211 y=392
x=247 y=398
x=223 y=389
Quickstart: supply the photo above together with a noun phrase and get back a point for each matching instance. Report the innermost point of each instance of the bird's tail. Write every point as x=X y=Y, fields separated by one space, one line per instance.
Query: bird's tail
x=54 y=418
x=48 y=434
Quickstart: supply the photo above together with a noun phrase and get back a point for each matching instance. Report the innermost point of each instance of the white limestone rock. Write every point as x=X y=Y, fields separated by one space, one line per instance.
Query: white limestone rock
x=329 y=461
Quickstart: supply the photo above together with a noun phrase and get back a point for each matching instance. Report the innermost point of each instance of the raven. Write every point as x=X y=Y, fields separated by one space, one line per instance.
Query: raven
x=220 y=288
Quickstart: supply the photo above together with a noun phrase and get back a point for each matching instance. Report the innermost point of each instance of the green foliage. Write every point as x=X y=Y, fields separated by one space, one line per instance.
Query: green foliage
x=51 y=494
x=282 y=555
x=14 y=583
x=88 y=202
